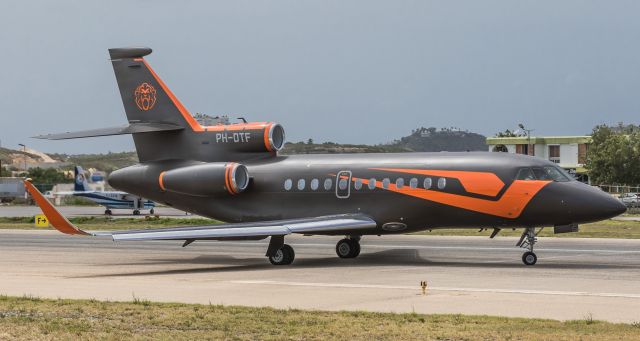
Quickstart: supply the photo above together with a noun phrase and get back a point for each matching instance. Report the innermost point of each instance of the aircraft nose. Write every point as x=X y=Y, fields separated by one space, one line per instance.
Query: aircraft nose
x=593 y=204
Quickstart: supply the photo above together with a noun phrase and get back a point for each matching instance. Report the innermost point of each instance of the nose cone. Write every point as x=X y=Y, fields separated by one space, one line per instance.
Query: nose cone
x=588 y=204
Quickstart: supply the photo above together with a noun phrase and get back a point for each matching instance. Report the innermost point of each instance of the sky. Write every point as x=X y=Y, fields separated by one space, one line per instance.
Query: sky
x=345 y=71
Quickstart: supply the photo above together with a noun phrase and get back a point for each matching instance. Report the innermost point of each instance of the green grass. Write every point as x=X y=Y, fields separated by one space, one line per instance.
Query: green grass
x=602 y=229
x=31 y=318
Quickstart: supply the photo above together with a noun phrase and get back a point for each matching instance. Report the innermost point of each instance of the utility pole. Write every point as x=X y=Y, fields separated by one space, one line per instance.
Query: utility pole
x=24 y=157
x=521 y=126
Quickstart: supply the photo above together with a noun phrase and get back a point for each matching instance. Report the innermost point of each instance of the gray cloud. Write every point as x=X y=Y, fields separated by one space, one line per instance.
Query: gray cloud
x=347 y=71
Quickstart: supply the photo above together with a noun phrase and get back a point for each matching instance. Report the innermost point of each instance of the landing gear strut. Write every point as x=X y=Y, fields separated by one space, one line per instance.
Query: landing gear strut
x=348 y=247
x=527 y=240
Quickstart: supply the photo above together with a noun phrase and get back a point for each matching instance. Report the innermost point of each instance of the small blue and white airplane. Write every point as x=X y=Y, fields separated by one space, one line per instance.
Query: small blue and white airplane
x=109 y=199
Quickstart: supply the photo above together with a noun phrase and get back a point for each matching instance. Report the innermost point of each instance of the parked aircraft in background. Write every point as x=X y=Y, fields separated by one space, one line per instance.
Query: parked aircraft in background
x=233 y=173
x=109 y=199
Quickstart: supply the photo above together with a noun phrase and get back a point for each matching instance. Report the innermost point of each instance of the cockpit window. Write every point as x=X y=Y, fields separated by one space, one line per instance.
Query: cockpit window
x=525 y=174
x=550 y=173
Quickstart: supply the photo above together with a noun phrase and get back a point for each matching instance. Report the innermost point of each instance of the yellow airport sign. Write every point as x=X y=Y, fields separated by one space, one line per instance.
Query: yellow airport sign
x=41 y=220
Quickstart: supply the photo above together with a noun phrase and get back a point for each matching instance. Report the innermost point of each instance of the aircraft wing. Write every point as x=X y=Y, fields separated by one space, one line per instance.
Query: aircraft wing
x=257 y=230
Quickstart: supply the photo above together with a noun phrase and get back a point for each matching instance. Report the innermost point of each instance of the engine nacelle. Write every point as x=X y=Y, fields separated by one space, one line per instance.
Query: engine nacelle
x=248 y=137
x=209 y=179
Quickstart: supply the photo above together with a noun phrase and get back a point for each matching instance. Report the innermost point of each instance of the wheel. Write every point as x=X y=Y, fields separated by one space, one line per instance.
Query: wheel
x=107 y=212
x=136 y=212
x=529 y=258
x=151 y=211
x=284 y=256
x=348 y=248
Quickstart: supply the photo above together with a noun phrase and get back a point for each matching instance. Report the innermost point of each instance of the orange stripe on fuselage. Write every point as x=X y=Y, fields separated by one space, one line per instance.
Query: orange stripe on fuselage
x=195 y=126
x=483 y=183
x=510 y=205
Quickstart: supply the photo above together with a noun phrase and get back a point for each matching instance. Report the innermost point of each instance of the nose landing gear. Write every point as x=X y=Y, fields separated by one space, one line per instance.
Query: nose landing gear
x=527 y=240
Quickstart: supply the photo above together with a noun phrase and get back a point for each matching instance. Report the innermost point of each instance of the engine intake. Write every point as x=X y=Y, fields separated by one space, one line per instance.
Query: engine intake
x=209 y=179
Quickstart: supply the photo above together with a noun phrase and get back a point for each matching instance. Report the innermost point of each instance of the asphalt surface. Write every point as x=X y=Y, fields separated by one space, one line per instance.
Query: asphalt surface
x=574 y=278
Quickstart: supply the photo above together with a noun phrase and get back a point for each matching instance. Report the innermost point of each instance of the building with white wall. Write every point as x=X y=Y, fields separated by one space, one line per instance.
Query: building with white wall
x=569 y=152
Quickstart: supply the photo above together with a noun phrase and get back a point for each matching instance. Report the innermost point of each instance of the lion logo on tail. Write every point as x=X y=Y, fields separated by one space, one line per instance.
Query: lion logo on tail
x=145 y=96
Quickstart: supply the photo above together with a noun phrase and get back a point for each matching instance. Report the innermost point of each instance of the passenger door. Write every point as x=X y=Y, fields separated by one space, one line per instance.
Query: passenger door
x=343 y=184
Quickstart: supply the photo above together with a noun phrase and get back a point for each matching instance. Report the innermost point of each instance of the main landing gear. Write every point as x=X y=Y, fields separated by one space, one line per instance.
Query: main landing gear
x=136 y=212
x=280 y=253
x=348 y=247
x=108 y=212
x=283 y=256
x=527 y=240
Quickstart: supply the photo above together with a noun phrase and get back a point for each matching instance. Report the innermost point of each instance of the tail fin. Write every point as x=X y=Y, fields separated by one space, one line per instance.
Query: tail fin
x=80 y=184
x=145 y=96
x=148 y=101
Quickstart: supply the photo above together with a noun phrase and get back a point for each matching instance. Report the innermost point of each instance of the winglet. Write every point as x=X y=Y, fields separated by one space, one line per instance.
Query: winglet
x=56 y=219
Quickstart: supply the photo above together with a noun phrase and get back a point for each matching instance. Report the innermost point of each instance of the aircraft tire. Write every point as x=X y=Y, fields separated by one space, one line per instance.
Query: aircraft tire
x=151 y=211
x=136 y=212
x=108 y=212
x=284 y=256
x=529 y=258
x=348 y=248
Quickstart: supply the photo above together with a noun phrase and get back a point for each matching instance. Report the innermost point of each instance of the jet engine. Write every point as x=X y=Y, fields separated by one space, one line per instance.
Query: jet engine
x=247 y=137
x=209 y=179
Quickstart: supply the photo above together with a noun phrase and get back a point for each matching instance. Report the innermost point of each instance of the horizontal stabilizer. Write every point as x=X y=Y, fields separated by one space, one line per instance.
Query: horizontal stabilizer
x=133 y=128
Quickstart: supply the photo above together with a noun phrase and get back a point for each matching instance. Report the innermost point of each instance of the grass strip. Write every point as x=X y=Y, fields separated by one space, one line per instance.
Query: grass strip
x=30 y=318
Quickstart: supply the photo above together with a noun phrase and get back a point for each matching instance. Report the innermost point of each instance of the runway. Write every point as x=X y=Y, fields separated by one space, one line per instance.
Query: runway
x=574 y=278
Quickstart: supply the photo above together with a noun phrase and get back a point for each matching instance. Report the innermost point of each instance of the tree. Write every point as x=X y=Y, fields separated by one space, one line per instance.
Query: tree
x=47 y=176
x=614 y=155
x=508 y=133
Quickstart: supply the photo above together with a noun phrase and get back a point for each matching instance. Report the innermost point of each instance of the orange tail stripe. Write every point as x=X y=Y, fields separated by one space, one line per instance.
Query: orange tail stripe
x=483 y=183
x=510 y=205
x=195 y=126
x=55 y=218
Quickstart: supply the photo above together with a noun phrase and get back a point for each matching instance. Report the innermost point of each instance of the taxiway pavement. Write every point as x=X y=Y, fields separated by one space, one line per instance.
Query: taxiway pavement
x=574 y=278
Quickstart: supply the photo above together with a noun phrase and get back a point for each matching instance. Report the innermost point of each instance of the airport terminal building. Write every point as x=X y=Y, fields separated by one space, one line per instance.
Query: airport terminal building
x=569 y=152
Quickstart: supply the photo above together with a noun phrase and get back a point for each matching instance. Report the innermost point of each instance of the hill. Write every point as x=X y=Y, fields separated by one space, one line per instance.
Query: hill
x=420 y=140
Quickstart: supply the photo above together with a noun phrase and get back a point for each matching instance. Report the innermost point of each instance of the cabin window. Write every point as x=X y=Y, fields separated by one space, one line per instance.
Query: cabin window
x=287 y=184
x=314 y=184
x=413 y=183
x=427 y=183
x=343 y=184
x=385 y=183
x=399 y=183
x=442 y=183
x=301 y=184
x=372 y=183
x=328 y=184
x=525 y=174
x=357 y=184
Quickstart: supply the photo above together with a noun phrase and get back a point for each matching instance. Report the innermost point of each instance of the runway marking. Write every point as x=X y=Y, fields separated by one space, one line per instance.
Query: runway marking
x=416 y=288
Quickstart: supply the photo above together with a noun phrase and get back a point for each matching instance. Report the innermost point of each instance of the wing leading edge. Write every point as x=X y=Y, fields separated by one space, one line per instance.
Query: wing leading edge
x=333 y=224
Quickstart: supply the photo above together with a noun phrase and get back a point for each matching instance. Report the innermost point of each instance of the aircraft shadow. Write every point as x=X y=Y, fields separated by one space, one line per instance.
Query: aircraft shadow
x=393 y=257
